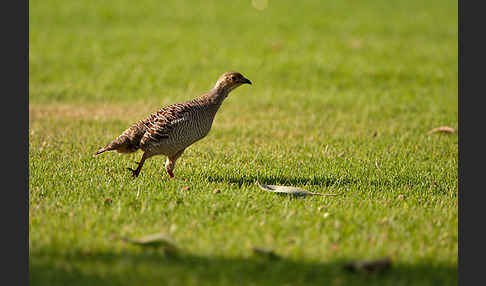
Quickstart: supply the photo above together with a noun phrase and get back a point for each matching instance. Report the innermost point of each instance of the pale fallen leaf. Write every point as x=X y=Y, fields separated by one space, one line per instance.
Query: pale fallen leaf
x=369 y=266
x=288 y=190
x=154 y=241
x=446 y=129
x=266 y=253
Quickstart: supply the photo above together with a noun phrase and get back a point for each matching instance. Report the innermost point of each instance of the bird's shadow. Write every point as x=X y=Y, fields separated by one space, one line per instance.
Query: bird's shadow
x=318 y=180
x=57 y=268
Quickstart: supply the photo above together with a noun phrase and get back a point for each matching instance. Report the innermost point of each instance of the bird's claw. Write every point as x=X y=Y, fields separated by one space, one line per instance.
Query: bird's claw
x=134 y=172
x=171 y=174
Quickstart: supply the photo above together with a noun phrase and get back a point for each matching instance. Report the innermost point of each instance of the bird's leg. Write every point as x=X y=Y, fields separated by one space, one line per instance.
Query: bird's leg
x=139 y=167
x=170 y=163
x=169 y=167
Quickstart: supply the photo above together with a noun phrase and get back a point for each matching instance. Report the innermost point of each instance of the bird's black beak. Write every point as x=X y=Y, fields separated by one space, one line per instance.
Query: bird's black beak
x=246 y=81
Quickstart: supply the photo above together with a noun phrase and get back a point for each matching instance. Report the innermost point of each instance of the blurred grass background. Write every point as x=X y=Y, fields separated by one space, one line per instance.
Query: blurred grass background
x=343 y=95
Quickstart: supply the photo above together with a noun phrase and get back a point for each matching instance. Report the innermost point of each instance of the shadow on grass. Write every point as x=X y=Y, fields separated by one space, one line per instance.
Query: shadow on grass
x=154 y=268
x=284 y=180
x=328 y=181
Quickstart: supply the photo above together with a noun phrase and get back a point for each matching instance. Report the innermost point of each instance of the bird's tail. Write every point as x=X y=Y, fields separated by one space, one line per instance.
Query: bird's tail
x=127 y=142
x=117 y=144
x=104 y=149
x=122 y=144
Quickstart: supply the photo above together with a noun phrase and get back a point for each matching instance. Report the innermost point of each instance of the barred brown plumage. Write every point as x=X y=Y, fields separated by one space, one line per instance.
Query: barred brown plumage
x=170 y=130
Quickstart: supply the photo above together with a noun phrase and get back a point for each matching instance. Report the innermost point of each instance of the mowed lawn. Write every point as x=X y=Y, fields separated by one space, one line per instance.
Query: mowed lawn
x=343 y=96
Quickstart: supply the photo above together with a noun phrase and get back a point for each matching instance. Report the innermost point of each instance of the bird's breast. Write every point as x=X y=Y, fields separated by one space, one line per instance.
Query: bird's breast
x=186 y=130
x=191 y=128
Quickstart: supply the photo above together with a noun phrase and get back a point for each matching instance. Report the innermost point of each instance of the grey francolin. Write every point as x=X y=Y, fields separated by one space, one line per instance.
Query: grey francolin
x=173 y=128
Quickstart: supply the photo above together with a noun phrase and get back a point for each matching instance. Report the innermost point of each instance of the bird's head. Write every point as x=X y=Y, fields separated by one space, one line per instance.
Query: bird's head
x=230 y=80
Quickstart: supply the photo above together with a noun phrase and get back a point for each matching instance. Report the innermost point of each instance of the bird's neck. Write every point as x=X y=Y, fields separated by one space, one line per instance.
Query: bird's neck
x=216 y=95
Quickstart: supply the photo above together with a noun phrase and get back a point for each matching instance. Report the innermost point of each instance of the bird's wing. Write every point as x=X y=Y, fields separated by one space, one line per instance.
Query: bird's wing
x=159 y=124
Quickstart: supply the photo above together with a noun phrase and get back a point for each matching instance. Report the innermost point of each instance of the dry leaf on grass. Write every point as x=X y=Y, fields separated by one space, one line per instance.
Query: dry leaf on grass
x=287 y=190
x=266 y=253
x=153 y=241
x=369 y=266
x=445 y=129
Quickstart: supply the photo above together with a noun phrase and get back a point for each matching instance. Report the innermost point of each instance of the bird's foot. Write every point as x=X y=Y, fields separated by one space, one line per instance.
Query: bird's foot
x=170 y=173
x=134 y=172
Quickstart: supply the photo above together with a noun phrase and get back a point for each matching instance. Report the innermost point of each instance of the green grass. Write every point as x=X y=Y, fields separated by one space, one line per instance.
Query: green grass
x=343 y=95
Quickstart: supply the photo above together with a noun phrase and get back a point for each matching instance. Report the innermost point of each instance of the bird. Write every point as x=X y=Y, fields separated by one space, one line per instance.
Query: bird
x=173 y=128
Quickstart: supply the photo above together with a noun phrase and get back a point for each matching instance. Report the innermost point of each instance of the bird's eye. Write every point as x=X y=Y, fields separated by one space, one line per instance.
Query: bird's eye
x=233 y=78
